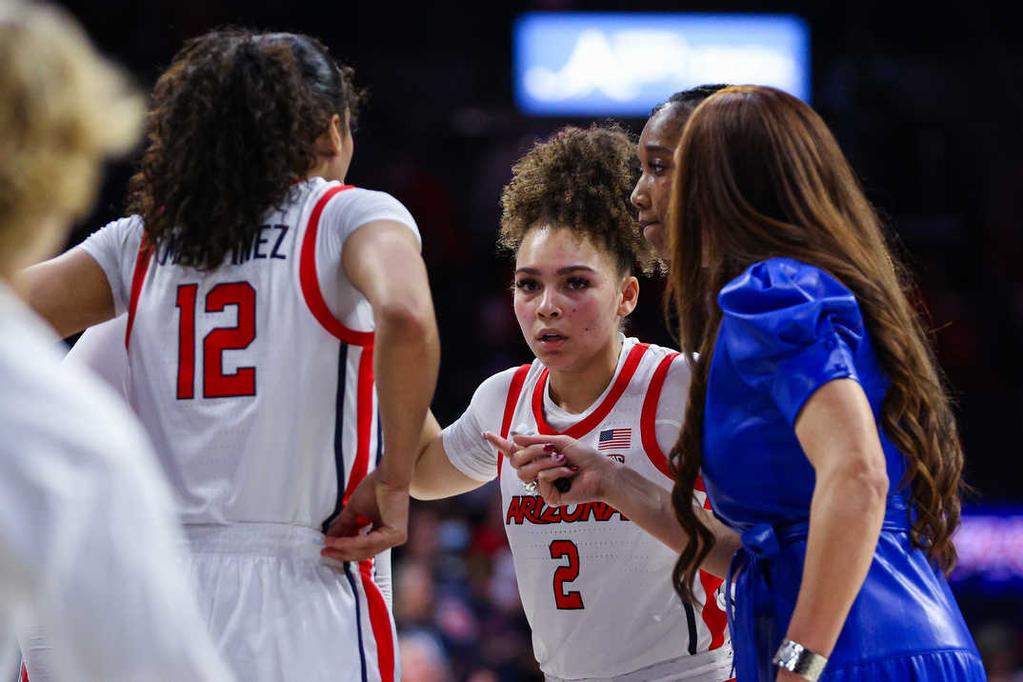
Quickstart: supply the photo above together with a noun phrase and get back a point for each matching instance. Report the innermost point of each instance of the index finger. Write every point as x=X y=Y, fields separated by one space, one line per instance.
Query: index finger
x=502 y=444
x=560 y=442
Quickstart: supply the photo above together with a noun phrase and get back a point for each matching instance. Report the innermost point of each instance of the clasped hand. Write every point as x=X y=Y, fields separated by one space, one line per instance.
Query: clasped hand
x=374 y=518
x=546 y=459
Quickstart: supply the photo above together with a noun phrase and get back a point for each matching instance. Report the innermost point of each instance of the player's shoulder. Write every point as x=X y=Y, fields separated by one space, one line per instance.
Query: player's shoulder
x=350 y=208
x=655 y=355
x=123 y=229
x=678 y=372
x=360 y=199
x=654 y=352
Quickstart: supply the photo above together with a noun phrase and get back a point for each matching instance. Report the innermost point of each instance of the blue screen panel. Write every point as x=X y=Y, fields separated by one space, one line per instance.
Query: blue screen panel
x=622 y=64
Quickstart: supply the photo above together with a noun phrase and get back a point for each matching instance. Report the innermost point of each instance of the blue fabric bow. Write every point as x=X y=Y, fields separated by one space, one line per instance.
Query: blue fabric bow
x=751 y=622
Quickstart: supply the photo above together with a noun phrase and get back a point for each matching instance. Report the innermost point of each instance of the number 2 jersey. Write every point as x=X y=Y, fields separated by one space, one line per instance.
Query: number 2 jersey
x=255 y=380
x=595 y=587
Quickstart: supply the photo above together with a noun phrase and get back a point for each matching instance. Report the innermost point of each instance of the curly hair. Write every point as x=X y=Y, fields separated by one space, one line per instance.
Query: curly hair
x=760 y=175
x=233 y=123
x=63 y=108
x=580 y=180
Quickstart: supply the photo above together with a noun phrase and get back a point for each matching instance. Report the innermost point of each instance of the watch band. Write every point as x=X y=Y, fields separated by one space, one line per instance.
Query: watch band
x=796 y=658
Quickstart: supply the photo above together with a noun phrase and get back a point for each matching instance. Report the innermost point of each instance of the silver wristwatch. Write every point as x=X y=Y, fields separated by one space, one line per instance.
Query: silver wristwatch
x=796 y=658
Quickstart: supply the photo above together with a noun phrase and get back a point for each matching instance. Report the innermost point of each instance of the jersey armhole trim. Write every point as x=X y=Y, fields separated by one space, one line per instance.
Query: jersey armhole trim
x=138 y=280
x=310 y=283
x=514 y=390
x=648 y=417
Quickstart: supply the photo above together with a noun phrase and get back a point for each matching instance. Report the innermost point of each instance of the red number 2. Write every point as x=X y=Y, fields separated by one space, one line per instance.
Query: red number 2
x=566 y=574
x=216 y=384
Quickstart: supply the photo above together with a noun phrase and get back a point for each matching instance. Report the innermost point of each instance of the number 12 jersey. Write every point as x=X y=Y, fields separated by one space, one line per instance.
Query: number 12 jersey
x=255 y=379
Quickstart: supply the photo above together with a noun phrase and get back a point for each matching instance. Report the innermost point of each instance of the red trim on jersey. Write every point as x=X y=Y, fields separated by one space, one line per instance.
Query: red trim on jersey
x=24 y=673
x=310 y=282
x=363 y=422
x=379 y=620
x=138 y=278
x=514 y=390
x=581 y=428
x=648 y=417
x=715 y=618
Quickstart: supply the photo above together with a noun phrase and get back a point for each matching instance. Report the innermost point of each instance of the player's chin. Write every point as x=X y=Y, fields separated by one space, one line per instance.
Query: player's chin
x=655 y=235
x=556 y=360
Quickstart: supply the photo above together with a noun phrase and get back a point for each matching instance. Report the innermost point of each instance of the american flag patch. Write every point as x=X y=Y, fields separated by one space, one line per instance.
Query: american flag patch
x=614 y=439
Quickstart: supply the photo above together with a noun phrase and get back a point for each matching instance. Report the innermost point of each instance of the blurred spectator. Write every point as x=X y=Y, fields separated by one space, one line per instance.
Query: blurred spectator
x=1000 y=648
x=422 y=658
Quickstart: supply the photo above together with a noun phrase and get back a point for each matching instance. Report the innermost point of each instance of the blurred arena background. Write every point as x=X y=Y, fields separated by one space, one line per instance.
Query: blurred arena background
x=927 y=102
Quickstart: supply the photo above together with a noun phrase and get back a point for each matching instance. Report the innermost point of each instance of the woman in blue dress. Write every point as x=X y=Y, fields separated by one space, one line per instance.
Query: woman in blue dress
x=817 y=414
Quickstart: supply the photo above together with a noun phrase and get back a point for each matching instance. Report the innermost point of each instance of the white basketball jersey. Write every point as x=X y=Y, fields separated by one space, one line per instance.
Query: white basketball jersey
x=595 y=587
x=255 y=380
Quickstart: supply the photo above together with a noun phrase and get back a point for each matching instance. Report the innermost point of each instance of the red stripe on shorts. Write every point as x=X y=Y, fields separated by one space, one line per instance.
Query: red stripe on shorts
x=379 y=621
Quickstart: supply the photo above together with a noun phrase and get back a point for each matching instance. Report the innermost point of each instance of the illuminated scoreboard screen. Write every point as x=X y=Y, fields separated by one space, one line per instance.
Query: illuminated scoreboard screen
x=622 y=64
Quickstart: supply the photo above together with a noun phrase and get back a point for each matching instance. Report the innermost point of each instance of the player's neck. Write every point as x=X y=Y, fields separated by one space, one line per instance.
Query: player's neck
x=575 y=390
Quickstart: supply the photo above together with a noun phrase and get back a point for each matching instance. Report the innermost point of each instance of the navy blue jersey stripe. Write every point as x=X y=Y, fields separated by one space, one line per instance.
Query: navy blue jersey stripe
x=339 y=433
x=380 y=439
x=691 y=621
x=358 y=621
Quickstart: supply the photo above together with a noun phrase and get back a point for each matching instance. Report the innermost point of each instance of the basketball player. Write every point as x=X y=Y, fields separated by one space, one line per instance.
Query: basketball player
x=86 y=520
x=280 y=339
x=595 y=588
x=656 y=148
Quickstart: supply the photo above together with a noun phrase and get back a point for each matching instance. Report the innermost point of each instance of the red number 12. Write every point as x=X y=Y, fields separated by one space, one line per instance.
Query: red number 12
x=215 y=383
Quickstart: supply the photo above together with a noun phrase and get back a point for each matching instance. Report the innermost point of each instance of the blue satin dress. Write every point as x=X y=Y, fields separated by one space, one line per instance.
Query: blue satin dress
x=787 y=329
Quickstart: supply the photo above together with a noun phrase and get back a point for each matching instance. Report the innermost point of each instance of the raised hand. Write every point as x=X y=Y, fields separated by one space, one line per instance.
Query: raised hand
x=546 y=459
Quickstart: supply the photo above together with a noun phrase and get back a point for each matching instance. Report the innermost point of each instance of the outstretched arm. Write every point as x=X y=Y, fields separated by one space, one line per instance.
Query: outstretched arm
x=71 y=291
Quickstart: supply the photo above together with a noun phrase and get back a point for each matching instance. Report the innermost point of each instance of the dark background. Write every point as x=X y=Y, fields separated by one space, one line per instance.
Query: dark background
x=925 y=99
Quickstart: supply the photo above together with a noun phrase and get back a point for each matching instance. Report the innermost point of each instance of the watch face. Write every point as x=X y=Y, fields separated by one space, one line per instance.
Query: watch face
x=788 y=655
x=794 y=657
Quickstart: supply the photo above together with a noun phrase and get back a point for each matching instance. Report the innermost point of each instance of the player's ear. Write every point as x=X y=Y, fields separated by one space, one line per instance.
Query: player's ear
x=629 y=296
x=337 y=129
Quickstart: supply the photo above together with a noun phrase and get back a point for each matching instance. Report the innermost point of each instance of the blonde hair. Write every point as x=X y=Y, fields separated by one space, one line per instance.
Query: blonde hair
x=63 y=109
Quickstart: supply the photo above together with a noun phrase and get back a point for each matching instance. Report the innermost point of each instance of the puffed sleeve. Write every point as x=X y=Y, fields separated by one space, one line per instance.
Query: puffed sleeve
x=789 y=328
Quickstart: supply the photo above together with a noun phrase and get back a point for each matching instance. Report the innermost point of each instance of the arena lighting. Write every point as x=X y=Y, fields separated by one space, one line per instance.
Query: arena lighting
x=621 y=64
x=990 y=547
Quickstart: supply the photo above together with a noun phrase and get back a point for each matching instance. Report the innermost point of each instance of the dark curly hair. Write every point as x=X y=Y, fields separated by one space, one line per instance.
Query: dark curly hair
x=232 y=123
x=580 y=180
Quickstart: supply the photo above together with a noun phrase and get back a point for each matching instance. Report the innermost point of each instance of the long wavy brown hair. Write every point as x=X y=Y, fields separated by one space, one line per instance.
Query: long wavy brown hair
x=232 y=124
x=761 y=176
